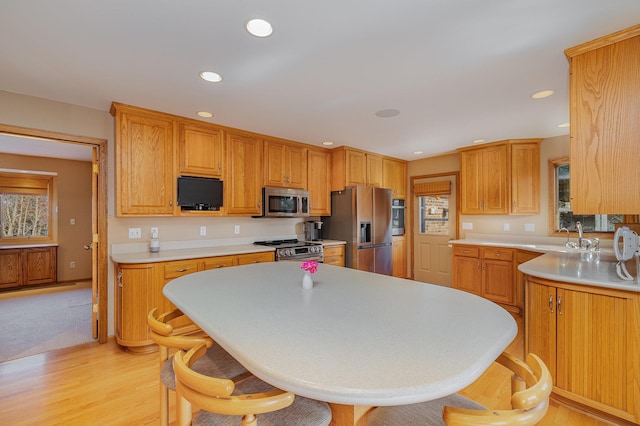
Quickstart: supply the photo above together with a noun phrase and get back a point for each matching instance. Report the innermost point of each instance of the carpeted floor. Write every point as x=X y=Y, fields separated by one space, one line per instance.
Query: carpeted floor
x=37 y=321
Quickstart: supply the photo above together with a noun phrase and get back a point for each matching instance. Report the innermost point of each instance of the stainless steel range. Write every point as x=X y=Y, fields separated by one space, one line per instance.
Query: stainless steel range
x=295 y=250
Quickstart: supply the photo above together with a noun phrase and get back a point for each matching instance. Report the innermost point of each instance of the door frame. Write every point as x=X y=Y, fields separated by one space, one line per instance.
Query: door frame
x=100 y=214
x=411 y=207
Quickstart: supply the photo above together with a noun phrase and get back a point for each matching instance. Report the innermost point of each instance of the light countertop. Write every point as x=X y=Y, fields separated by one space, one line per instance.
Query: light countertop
x=354 y=338
x=187 y=253
x=536 y=244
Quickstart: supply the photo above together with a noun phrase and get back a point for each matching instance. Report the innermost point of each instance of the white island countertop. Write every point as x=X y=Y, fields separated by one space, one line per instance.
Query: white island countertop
x=589 y=268
x=355 y=338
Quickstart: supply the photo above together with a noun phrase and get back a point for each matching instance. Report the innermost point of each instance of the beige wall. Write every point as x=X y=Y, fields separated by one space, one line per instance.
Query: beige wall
x=74 y=202
x=550 y=148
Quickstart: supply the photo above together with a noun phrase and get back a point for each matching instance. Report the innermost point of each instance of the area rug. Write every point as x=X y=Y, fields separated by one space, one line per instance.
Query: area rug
x=36 y=323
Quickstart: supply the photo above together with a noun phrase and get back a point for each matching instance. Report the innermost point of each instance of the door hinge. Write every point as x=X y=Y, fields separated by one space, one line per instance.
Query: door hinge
x=95 y=168
x=95 y=308
x=95 y=238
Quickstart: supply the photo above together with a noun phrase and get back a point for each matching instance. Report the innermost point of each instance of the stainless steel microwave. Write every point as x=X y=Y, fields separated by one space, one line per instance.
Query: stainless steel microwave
x=283 y=202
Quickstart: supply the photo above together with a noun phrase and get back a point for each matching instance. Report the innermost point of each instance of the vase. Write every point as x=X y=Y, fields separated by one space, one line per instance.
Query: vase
x=307 y=281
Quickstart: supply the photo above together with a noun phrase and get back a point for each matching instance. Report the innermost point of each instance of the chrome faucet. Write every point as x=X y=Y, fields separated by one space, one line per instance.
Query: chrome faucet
x=568 y=244
x=583 y=243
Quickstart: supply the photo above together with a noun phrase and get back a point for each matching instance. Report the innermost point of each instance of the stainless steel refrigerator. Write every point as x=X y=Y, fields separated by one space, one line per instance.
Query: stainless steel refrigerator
x=361 y=216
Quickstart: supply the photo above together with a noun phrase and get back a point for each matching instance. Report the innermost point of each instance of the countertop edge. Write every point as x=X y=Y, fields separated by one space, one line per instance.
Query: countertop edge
x=183 y=254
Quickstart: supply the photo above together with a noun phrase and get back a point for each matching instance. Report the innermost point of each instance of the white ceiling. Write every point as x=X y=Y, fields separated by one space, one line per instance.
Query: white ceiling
x=457 y=70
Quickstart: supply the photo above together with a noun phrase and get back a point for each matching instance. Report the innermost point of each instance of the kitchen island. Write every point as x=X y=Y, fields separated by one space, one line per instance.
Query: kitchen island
x=584 y=323
x=355 y=339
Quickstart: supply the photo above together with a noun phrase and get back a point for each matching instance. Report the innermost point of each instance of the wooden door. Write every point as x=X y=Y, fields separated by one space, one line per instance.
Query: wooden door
x=495 y=180
x=93 y=245
x=525 y=178
x=467 y=274
x=399 y=256
x=40 y=265
x=296 y=167
x=274 y=164
x=243 y=188
x=356 y=168
x=10 y=268
x=599 y=323
x=200 y=151
x=319 y=179
x=133 y=303
x=472 y=197
x=540 y=323
x=145 y=182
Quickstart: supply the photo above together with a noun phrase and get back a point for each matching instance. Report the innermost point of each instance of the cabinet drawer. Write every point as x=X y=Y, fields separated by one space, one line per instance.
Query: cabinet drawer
x=330 y=251
x=466 y=251
x=220 y=262
x=246 y=259
x=498 y=254
x=179 y=268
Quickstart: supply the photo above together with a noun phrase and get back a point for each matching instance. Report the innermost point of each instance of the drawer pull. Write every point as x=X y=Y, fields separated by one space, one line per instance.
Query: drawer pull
x=220 y=266
x=559 y=305
x=182 y=270
x=498 y=254
x=551 y=303
x=466 y=251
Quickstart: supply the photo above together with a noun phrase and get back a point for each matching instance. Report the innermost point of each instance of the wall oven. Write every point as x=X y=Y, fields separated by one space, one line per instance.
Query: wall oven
x=283 y=202
x=397 y=217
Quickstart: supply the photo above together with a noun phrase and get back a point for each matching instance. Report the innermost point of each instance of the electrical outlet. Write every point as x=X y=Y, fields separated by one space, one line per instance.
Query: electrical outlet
x=236 y=229
x=135 y=233
x=506 y=227
x=530 y=227
x=72 y=264
x=203 y=231
x=467 y=225
x=154 y=232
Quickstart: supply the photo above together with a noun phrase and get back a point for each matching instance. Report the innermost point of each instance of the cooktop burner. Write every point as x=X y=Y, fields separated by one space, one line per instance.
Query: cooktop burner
x=285 y=243
x=295 y=250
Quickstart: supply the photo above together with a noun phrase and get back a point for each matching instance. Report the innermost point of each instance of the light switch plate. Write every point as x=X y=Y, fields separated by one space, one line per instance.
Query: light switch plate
x=467 y=225
x=135 y=233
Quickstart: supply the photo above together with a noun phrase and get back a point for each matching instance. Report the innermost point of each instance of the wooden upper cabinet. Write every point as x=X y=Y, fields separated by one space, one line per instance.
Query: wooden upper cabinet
x=243 y=187
x=394 y=177
x=319 y=179
x=525 y=177
x=605 y=123
x=145 y=183
x=200 y=150
x=285 y=165
x=374 y=170
x=501 y=178
x=355 y=167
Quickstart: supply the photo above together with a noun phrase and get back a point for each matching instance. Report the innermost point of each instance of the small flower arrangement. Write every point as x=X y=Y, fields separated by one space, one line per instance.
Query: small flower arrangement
x=310 y=266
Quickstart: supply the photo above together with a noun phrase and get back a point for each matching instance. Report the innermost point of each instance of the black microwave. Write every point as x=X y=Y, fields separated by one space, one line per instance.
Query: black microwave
x=284 y=202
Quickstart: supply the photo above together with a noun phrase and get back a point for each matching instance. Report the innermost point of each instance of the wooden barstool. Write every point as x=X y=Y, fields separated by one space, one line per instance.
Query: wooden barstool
x=216 y=361
x=222 y=401
x=530 y=389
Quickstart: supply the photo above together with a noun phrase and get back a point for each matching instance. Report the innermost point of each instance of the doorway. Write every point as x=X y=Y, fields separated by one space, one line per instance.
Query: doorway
x=434 y=225
x=98 y=243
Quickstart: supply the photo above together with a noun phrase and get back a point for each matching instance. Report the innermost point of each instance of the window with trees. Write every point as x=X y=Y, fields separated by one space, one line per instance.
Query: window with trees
x=27 y=207
x=563 y=216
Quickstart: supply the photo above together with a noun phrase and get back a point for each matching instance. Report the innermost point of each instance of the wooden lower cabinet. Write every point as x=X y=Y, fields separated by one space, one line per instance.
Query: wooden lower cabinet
x=521 y=257
x=334 y=255
x=589 y=337
x=139 y=287
x=485 y=271
x=28 y=266
x=399 y=257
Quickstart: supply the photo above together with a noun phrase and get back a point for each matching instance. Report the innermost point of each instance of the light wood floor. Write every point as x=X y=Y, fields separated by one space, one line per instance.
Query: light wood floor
x=94 y=384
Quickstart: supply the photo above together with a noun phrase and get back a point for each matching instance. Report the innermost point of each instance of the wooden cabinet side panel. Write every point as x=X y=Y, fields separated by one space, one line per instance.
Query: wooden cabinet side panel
x=605 y=124
x=540 y=323
x=471 y=182
x=134 y=300
x=495 y=179
x=592 y=347
x=399 y=257
x=319 y=179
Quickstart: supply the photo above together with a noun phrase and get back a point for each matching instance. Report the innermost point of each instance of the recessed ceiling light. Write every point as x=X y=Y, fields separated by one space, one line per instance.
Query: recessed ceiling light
x=417 y=152
x=542 y=94
x=327 y=143
x=213 y=77
x=259 y=28
x=477 y=140
x=204 y=114
x=387 y=113
x=563 y=125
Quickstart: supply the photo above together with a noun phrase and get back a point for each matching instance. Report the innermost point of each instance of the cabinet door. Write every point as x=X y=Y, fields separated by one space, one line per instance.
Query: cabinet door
x=40 y=265
x=467 y=274
x=374 y=170
x=243 y=187
x=540 y=322
x=296 y=166
x=525 y=178
x=495 y=179
x=274 y=164
x=497 y=281
x=471 y=182
x=145 y=181
x=605 y=125
x=356 y=168
x=133 y=303
x=247 y=259
x=592 y=347
x=334 y=255
x=200 y=151
x=10 y=268
x=319 y=176
x=399 y=257
x=394 y=176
